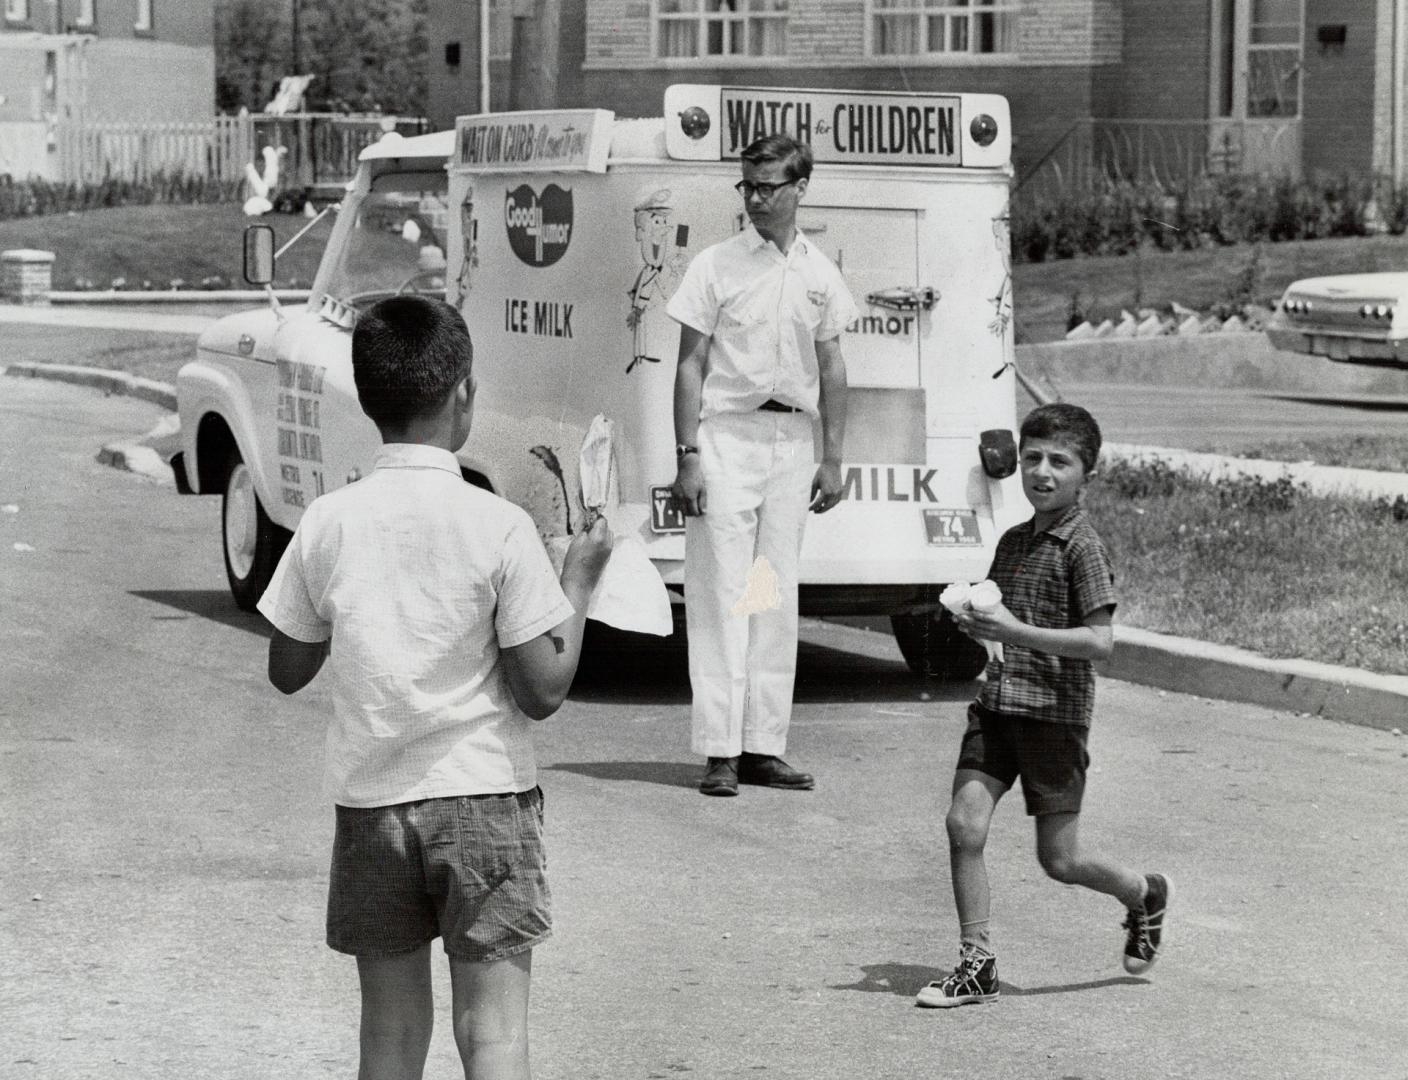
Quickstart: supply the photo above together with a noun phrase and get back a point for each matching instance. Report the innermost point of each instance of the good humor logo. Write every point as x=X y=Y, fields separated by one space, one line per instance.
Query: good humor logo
x=539 y=227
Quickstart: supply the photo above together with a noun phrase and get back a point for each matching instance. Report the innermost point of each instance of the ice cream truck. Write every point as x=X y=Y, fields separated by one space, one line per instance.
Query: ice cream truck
x=560 y=235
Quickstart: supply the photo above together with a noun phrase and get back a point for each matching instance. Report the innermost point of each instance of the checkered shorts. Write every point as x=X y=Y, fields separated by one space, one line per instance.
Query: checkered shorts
x=471 y=870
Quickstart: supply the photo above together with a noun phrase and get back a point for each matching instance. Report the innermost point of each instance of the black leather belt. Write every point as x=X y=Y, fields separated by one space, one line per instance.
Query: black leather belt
x=776 y=406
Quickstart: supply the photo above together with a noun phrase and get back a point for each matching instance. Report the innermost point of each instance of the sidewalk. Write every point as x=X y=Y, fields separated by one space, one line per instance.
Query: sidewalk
x=1320 y=479
x=106 y=318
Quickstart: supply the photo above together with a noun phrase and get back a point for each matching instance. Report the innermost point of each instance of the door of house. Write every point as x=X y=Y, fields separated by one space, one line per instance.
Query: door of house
x=1257 y=86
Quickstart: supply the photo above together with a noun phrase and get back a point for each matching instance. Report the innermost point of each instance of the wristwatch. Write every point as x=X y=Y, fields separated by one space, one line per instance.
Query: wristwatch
x=683 y=450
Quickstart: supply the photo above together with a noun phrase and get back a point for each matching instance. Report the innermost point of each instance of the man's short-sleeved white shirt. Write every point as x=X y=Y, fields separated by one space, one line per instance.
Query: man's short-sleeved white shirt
x=764 y=312
x=419 y=579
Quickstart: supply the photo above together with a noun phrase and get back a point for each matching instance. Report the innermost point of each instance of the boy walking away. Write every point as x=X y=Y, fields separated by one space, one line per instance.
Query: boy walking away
x=446 y=633
x=1032 y=718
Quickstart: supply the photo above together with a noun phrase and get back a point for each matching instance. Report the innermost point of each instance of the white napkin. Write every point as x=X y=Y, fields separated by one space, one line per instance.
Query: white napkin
x=630 y=594
x=984 y=596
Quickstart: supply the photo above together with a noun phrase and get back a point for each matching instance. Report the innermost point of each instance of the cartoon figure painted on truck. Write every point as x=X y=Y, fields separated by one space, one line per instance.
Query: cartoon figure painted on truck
x=469 y=226
x=663 y=261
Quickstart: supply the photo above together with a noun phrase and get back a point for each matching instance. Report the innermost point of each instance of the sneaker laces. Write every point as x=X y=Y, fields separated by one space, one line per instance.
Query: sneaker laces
x=1137 y=923
x=970 y=962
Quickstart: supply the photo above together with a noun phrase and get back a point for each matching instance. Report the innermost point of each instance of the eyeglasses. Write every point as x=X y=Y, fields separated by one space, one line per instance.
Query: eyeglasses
x=764 y=191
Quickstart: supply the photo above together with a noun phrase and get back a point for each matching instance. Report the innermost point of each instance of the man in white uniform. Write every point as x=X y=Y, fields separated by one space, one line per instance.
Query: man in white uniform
x=760 y=360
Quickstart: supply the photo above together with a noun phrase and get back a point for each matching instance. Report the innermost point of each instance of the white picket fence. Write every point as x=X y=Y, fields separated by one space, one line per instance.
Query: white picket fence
x=216 y=150
x=322 y=148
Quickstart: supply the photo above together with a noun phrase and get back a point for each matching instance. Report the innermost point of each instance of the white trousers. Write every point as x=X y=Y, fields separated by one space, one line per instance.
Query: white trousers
x=740 y=579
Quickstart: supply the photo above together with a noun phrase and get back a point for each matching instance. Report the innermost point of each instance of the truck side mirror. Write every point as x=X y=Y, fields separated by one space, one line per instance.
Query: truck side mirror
x=259 y=254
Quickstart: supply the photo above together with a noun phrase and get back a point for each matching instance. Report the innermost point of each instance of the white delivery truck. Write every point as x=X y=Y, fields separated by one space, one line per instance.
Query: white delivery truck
x=560 y=235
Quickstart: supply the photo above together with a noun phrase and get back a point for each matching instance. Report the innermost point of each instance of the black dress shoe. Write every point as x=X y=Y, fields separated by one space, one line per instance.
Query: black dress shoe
x=772 y=771
x=721 y=777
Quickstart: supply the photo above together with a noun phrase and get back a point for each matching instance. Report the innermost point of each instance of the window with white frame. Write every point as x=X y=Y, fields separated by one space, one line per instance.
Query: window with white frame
x=85 y=16
x=1274 y=58
x=16 y=10
x=144 y=15
x=720 y=29
x=942 y=27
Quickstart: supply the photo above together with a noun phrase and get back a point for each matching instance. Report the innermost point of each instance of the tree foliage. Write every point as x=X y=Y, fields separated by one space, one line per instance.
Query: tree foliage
x=365 y=55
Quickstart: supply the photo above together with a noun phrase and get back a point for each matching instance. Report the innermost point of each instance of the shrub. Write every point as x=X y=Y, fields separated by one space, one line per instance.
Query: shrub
x=36 y=197
x=1118 y=216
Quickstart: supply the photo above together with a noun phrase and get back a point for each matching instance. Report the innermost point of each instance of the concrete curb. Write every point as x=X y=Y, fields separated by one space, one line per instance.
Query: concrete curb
x=130 y=457
x=1231 y=674
x=1180 y=664
x=111 y=382
x=139 y=459
x=1201 y=669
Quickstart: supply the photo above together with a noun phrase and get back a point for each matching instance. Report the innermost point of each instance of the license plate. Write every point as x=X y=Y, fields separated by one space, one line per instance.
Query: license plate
x=952 y=528
x=664 y=518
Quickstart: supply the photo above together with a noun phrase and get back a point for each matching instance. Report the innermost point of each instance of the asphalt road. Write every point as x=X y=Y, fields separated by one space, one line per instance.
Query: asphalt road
x=1232 y=419
x=164 y=849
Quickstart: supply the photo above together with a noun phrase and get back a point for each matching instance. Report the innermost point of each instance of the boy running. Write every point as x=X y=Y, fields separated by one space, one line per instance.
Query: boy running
x=1032 y=718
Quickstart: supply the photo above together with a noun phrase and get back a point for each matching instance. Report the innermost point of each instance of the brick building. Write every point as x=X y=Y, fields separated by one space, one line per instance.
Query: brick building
x=99 y=61
x=1163 y=86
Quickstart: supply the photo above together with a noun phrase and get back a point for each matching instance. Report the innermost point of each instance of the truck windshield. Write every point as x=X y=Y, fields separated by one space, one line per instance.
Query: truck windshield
x=397 y=241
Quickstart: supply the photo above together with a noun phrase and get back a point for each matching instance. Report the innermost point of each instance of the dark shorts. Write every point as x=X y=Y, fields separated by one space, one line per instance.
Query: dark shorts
x=470 y=870
x=1051 y=759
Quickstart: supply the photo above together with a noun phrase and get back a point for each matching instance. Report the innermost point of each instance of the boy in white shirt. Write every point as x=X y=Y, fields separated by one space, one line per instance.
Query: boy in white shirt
x=446 y=633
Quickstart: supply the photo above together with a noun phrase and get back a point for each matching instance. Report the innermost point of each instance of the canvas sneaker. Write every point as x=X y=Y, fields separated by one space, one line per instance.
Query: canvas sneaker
x=1144 y=926
x=973 y=982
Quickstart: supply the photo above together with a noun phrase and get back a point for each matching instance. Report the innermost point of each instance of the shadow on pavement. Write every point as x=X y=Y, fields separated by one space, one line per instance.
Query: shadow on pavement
x=623 y=669
x=668 y=773
x=213 y=604
x=906 y=980
x=902 y=980
x=1071 y=988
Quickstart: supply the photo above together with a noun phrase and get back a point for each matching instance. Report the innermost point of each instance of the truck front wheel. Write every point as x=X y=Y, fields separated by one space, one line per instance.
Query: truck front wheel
x=253 y=543
x=934 y=647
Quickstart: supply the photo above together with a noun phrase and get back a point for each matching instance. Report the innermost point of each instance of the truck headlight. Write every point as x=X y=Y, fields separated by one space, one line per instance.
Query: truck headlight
x=694 y=122
x=983 y=129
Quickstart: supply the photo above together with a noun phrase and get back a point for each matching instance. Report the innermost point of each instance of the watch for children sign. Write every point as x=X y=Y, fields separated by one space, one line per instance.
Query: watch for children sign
x=557 y=140
x=851 y=127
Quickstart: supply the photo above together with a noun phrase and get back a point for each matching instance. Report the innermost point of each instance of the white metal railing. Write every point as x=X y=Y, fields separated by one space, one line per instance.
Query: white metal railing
x=1169 y=153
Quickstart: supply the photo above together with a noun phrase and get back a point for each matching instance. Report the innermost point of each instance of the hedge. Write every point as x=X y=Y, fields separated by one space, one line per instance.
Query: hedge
x=1120 y=216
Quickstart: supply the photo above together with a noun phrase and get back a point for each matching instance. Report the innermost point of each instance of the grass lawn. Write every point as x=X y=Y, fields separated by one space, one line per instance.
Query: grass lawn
x=1263 y=566
x=159 y=243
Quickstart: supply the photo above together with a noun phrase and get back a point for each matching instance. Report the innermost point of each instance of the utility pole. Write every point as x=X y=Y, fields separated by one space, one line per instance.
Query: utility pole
x=484 y=51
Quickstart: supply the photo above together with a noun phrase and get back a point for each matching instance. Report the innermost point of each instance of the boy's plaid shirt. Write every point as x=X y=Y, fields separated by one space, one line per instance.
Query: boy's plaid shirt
x=1052 y=579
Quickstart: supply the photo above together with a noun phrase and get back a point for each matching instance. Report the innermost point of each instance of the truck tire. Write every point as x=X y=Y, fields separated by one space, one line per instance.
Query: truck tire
x=253 y=543
x=934 y=647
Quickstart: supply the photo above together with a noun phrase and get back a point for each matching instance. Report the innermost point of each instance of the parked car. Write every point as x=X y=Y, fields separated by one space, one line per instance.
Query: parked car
x=1351 y=318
